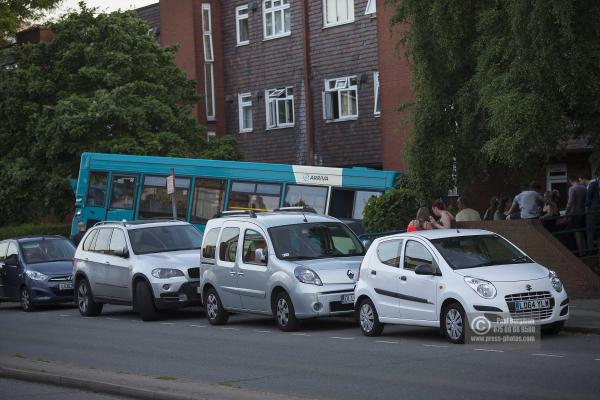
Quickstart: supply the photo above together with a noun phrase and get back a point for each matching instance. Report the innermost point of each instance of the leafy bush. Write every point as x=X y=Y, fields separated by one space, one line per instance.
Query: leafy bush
x=7 y=232
x=391 y=211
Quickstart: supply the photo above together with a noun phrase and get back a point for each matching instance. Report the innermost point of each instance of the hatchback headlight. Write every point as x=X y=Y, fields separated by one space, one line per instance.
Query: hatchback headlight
x=307 y=275
x=36 y=276
x=166 y=273
x=555 y=280
x=483 y=288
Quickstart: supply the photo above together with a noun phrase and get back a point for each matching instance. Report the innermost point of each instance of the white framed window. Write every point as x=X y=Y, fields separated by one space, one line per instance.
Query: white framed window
x=371 y=7
x=280 y=107
x=276 y=18
x=241 y=25
x=337 y=12
x=377 y=110
x=209 y=59
x=340 y=99
x=245 y=111
x=210 y=134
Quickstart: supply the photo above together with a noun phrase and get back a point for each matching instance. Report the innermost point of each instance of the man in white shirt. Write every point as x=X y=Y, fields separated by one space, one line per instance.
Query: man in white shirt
x=466 y=214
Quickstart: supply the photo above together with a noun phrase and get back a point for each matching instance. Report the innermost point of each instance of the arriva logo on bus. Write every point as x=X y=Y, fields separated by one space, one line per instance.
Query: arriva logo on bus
x=318 y=175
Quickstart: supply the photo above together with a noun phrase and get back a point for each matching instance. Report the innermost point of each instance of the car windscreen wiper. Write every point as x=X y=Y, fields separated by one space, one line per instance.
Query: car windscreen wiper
x=521 y=259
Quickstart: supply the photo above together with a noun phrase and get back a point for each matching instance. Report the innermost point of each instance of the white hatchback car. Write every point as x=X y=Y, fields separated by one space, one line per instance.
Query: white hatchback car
x=439 y=278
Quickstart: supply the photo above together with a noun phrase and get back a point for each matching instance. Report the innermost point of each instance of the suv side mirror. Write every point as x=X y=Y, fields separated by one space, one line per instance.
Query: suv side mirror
x=260 y=256
x=12 y=260
x=123 y=253
x=425 y=269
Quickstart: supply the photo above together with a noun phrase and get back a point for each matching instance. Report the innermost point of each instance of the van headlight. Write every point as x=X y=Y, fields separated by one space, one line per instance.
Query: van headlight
x=36 y=276
x=555 y=280
x=483 y=288
x=166 y=273
x=307 y=275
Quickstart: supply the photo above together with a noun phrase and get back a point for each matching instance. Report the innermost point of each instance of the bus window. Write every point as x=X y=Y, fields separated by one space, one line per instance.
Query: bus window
x=209 y=197
x=254 y=196
x=96 y=189
x=311 y=196
x=360 y=201
x=122 y=192
x=349 y=204
x=156 y=203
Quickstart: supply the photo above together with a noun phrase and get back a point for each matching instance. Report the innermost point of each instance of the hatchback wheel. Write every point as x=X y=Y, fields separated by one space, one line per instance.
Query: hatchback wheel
x=26 y=304
x=85 y=301
x=144 y=302
x=369 y=319
x=285 y=314
x=454 y=323
x=215 y=313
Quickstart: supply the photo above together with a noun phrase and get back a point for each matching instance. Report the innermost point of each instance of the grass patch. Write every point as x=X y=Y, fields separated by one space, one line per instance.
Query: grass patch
x=42 y=360
x=19 y=355
x=228 y=384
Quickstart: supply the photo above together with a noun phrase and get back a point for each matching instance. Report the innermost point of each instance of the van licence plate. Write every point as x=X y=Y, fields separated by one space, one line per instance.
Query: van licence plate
x=347 y=299
x=65 y=286
x=532 y=304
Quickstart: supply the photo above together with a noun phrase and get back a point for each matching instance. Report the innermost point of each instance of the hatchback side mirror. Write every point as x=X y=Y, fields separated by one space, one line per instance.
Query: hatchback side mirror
x=366 y=243
x=12 y=260
x=123 y=253
x=425 y=269
x=260 y=256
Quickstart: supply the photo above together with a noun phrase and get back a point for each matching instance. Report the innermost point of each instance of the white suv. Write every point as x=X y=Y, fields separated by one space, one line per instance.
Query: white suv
x=151 y=265
x=291 y=264
x=444 y=278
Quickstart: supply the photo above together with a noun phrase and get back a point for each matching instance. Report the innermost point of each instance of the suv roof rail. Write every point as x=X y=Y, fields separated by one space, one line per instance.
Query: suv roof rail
x=297 y=209
x=110 y=222
x=250 y=213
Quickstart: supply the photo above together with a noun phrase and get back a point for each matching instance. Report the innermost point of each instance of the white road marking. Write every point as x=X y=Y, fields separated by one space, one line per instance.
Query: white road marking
x=340 y=338
x=386 y=341
x=596 y=359
x=167 y=323
x=546 y=355
x=197 y=326
x=259 y=331
x=490 y=350
x=63 y=315
x=112 y=319
x=300 y=334
x=435 y=345
x=230 y=329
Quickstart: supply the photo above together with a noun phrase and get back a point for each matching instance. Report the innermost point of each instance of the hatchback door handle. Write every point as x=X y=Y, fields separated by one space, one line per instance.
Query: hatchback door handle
x=240 y=274
x=106 y=262
x=232 y=273
x=403 y=278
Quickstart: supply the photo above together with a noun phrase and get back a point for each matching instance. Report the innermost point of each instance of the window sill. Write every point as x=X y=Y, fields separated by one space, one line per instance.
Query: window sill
x=265 y=38
x=246 y=130
x=211 y=119
x=242 y=44
x=333 y=25
x=280 y=127
x=328 y=121
x=377 y=114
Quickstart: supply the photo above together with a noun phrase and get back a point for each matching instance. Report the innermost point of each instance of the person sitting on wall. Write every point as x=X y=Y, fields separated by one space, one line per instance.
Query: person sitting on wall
x=446 y=219
x=492 y=209
x=466 y=214
x=421 y=222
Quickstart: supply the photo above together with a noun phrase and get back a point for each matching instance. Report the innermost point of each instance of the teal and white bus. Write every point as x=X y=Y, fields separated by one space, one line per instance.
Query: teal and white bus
x=125 y=187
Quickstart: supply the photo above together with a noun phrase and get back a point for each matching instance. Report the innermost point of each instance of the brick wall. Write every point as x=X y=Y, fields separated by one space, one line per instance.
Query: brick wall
x=339 y=51
x=531 y=237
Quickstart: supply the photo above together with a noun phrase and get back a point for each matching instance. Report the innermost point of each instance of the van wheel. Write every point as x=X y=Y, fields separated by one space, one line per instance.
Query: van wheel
x=454 y=322
x=285 y=315
x=85 y=301
x=144 y=302
x=215 y=313
x=26 y=304
x=369 y=319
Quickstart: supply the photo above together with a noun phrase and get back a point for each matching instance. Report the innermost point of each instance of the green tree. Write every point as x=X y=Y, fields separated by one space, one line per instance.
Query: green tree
x=102 y=84
x=13 y=13
x=500 y=84
x=393 y=210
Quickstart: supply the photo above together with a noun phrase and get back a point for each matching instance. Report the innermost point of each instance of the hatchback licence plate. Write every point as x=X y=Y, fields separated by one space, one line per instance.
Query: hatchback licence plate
x=532 y=304
x=65 y=286
x=347 y=299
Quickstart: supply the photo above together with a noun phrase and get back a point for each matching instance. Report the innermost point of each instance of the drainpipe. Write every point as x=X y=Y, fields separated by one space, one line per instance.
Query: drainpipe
x=310 y=136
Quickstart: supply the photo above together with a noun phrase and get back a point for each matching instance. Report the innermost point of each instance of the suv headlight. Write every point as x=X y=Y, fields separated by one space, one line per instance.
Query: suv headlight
x=555 y=280
x=483 y=288
x=166 y=273
x=307 y=275
x=36 y=276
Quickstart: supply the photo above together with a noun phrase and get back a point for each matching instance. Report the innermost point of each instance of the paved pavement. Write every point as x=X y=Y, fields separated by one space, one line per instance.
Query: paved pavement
x=19 y=390
x=328 y=359
x=585 y=315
